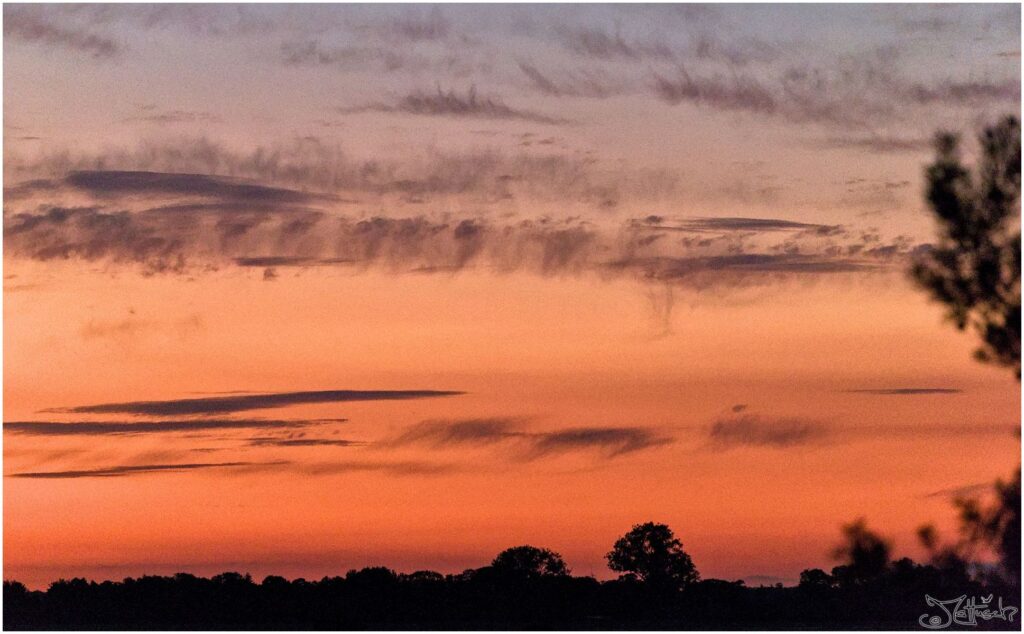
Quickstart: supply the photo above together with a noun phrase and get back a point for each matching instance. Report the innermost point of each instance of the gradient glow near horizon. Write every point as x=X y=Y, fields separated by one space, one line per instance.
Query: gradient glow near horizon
x=293 y=290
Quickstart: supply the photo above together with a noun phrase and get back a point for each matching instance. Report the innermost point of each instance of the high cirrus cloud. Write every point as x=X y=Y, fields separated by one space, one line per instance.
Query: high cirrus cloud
x=241 y=403
x=131 y=428
x=127 y=470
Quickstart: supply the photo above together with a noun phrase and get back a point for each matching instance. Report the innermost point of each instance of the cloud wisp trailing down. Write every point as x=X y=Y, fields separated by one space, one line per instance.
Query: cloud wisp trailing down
x=228 y=404
x=481 y=432
x=195 y=237
x=131 y=428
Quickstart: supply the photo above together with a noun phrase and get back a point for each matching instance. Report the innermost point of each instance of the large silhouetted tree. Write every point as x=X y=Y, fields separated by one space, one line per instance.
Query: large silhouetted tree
x=975 y=267
x=652 y=553
x=530 y=561
x=975 y=271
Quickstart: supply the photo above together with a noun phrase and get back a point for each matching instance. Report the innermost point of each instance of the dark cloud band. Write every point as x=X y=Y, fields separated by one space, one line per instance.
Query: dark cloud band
x=225 y=404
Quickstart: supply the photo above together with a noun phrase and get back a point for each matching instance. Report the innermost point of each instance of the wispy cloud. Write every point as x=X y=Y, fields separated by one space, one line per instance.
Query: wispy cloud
x=907 y=391
x=966 y=490
x=172 y=240
x=735 y=224
x=27 y=24
x=609 y=441
x=168 y=117
x=585 y=83
x=473 y=431
x=199 y=185
x=125 y=428
x=756 y=431
x=878 y=144
x=596 y=43
x=121 y=471
x=303 y=442
x=450 y=103
x=241 y=403
x=738 y=92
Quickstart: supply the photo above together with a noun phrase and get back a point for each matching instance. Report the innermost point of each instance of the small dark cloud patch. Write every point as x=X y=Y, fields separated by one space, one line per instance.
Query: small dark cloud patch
x=225 y=404
x=125 y=428
x=203 y=185
x=611 y=441
x=130 y=470
x=453 y=104
x=756 y=431
x=907 y=391
x=473 y=431
x=739 y=407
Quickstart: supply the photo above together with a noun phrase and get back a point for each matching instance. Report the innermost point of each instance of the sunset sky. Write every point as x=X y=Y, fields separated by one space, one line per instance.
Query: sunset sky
x=298 y=289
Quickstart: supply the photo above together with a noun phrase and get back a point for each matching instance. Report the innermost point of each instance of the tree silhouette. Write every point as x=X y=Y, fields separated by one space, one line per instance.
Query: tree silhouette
x=866 y=555
x=652 y=553
x=975 y=267
x=995 y=527
x=530 y=561
x=815 y=578
x=975 y=271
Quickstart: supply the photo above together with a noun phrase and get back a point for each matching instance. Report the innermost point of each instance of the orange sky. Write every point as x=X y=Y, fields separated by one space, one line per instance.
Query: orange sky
x=665 y=270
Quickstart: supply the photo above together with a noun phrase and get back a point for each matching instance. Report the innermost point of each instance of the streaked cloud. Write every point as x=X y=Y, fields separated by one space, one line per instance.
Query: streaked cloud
x=608 y=441
x=907 y=391
x=129 y=470
x=450 y=103
x=303 y=442
x=241 y=403
x=127 y=428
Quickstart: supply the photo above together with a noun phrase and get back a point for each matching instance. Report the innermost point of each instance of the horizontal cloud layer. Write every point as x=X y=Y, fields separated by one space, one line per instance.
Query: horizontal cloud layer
x=225 y=404
x=120 y=471
x=123 y=428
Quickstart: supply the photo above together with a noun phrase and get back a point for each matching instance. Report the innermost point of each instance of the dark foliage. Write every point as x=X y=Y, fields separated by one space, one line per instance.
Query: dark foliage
x=485 y=598
x=652 y=554
x=975 y=268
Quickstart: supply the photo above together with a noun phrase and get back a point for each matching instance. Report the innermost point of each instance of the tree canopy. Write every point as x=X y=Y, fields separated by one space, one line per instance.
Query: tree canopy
x=974 y=269
x=652 y=553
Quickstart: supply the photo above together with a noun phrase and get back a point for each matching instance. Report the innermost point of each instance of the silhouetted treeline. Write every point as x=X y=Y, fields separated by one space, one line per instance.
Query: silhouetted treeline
x=527 y=588
x=487 y=598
